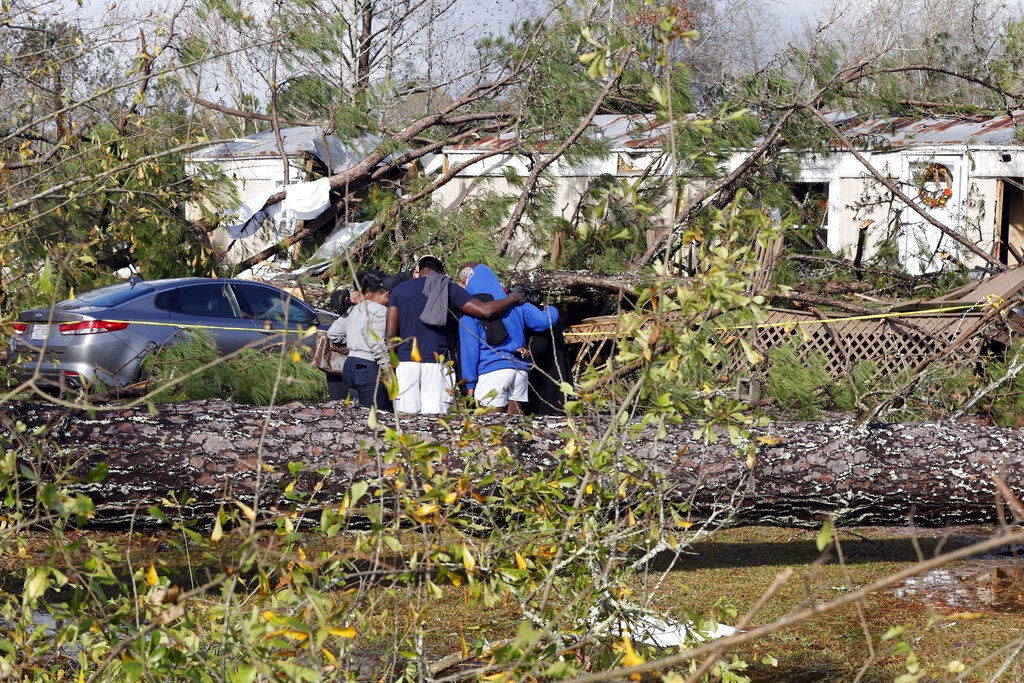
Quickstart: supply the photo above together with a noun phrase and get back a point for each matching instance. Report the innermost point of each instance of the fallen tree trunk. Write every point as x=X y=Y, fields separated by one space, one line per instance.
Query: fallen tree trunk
x=803 y=473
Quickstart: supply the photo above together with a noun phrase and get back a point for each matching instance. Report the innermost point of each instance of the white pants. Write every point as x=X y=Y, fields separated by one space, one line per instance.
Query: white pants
x=498 y=387
x=424 y=387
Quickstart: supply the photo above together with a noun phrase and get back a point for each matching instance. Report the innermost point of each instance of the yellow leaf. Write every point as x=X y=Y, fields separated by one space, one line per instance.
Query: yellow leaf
x=151 y=576
x=427 y=488
x=345 y=632
x=301 y=553
x=630 y=518
x=451 y=498
x=686 y=524
x=751 y=459
x=218 y=531
x=269 y=616
x=631 y=658
x=520 y=562
x=414 y=355
x=426 y=510
x=296 y=356
x=467 y=558
x=769 y=439
x=249 y=513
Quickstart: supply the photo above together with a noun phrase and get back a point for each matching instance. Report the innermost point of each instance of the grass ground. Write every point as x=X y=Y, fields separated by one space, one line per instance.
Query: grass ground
x=970 y=612
x=963 y=613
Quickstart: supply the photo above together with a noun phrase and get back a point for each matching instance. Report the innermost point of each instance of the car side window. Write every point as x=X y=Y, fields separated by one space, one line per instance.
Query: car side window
x=207 y=301
x=263 y=303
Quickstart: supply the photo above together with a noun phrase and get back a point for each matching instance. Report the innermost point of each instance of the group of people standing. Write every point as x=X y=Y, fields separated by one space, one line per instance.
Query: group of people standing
x=440 y=329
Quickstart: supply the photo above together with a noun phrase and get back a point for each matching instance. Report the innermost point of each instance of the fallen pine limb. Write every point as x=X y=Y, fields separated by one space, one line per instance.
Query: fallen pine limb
x=930 y=475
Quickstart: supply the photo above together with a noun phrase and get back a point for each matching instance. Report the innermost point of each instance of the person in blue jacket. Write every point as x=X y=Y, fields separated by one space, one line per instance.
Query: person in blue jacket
x=494 y=355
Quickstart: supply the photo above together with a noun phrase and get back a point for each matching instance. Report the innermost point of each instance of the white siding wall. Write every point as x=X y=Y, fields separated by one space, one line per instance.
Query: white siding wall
x=972 y=209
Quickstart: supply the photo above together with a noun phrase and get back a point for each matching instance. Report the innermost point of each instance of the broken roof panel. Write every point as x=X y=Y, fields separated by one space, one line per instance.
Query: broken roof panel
x=333 y=152
x=901 y=132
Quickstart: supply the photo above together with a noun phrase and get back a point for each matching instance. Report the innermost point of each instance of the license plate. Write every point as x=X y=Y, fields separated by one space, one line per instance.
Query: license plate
x=39 y=332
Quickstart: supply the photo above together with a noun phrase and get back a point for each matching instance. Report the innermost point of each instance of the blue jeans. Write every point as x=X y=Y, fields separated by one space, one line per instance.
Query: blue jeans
x=363 y=378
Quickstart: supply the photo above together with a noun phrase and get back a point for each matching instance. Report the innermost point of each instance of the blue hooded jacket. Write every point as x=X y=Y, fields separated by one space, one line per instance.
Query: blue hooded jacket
x=477 y=358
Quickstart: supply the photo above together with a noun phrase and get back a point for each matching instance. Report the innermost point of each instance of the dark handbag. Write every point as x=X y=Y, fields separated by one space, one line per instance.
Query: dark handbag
x=328 y=356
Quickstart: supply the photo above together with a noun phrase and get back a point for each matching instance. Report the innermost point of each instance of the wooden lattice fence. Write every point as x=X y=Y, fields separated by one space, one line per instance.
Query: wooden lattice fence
x=893 y=342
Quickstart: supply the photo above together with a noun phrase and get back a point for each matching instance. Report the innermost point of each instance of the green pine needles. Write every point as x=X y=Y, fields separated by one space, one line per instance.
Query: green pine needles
x=191 y=369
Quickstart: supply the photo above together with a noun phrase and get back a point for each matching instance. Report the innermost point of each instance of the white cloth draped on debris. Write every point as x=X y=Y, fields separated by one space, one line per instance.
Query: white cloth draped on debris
x=302 y=201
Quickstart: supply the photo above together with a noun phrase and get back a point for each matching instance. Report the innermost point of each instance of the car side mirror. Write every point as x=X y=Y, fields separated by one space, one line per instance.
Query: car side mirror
x=325 y=317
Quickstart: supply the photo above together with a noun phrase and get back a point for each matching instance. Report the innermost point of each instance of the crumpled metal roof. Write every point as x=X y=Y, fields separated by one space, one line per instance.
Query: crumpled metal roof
x=901 y=132
x=635 y=132
x=335 y=153
x=620 y=131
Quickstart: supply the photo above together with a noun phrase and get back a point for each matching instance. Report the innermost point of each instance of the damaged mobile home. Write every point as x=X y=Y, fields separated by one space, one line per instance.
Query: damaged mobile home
x=967 y=173
x=256 y=171
x=964 y=173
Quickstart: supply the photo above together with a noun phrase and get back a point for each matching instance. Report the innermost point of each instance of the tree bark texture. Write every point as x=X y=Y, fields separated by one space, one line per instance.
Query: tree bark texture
x=926 y=474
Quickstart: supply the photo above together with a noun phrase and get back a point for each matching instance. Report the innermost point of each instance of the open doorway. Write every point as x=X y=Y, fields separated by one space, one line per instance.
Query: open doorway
x=811 y=203
x=1011 y=221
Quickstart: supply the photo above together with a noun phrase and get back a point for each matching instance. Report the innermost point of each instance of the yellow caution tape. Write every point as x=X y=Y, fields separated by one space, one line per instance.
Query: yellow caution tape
x=992 y=300
x=872 y=316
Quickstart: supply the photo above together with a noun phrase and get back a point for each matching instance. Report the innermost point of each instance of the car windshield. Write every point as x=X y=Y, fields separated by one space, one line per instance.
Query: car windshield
x=106 y=297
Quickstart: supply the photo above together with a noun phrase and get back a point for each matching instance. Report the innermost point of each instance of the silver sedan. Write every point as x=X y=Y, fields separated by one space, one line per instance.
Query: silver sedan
x=104 y=334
